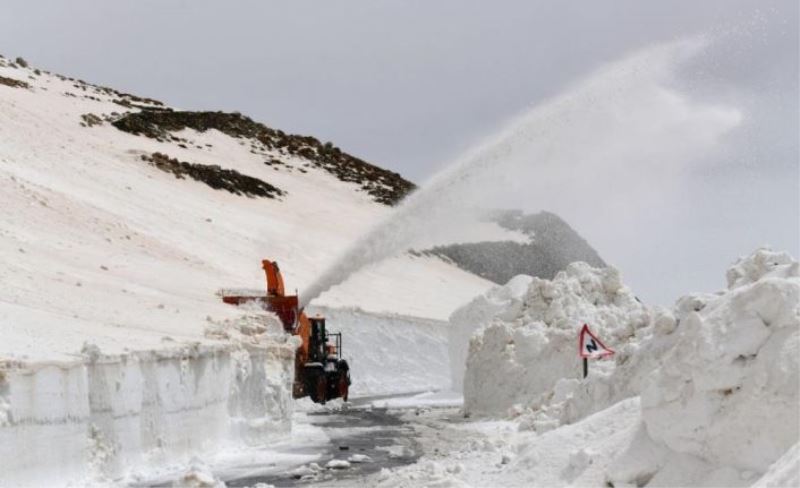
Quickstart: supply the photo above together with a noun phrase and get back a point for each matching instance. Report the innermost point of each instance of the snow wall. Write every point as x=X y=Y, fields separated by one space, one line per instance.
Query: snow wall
x=390 y=353
x=500 y=301
x=105 y=417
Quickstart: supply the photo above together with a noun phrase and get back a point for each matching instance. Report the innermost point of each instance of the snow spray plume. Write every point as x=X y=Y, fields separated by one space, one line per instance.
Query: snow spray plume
x=620 y=136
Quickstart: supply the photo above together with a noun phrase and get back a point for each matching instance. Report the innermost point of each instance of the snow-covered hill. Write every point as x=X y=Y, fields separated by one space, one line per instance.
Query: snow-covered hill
x=122 y=239
x=121 y=220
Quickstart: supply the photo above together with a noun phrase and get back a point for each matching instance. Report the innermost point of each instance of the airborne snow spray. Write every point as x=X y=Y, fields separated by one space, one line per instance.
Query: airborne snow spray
x=619 y=137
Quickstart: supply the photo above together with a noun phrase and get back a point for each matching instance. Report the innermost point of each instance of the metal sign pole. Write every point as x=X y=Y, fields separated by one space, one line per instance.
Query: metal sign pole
x=585 y=367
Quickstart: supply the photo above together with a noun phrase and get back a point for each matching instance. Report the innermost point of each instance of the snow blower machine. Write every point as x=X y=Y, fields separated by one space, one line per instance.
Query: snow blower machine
x=320 y=371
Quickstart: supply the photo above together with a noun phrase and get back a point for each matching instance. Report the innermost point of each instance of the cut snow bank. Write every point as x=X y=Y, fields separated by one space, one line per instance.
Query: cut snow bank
x=102 y=417
x=783 y=472
x=532 y=344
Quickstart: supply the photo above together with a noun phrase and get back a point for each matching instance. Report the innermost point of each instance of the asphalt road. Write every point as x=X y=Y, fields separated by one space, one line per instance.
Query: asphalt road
x=375 y=432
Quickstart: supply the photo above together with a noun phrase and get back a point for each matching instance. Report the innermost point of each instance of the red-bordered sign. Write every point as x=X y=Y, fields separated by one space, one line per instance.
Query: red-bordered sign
x=589 y=346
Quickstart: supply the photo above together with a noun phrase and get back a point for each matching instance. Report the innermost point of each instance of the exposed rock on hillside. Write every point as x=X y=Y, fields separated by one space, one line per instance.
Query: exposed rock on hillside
x=384 y=186
x=216 y=177
x=553 y=246
x=13 y=83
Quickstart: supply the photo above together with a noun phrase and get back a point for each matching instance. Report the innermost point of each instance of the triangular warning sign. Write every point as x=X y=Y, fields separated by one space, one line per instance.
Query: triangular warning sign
x=590 y=346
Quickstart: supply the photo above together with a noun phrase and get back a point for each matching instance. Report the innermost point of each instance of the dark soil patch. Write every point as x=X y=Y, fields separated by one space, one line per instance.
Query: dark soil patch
x=384 y=186
x=215 y=176
x=90 y=120
x=13 y=83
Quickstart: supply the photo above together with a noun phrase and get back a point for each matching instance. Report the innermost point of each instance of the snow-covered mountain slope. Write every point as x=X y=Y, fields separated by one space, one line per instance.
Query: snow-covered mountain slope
x=120 y=220
x=122 y=240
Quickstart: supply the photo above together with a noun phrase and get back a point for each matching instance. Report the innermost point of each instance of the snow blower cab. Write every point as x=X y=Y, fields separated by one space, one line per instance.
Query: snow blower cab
x=326 y=374
x=320 y=371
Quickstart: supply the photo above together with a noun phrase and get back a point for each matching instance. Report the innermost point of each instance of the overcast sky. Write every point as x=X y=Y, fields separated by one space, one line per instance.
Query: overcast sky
x=409 y=85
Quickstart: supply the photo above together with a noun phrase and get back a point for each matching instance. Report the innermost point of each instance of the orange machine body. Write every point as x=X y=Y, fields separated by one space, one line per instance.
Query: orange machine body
x=295 y=321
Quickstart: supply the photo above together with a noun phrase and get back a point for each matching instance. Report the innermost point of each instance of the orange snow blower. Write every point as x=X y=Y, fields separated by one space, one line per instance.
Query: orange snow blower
x=320 y=371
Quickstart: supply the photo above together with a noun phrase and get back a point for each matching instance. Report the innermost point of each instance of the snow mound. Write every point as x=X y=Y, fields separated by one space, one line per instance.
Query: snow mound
x=529 y=347
x=501 y=300
x=727 y=392
x=198 y=475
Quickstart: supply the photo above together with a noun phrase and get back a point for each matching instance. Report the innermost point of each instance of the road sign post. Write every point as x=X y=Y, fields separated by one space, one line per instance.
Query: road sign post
x=590 y=347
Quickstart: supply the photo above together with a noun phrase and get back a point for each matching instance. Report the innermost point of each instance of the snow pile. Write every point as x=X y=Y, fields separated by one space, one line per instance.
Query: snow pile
x=198 y=475
x=523 y=353
x=501 y=301
x=609 y=382
x=727 y=392
x=718 y=377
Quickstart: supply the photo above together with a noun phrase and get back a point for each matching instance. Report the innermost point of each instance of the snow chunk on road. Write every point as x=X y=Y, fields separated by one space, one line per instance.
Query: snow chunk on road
x=359 y=458
x=338 y=464
x=198 y=475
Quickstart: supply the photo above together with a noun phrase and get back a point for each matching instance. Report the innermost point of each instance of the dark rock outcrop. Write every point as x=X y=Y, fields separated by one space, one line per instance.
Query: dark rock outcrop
x=554 y=245
x=384 y=186
x=215 y=177
x=13 y=83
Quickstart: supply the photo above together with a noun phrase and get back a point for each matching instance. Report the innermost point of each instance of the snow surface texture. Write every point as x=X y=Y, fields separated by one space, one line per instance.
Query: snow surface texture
x=784 y=472
x=502 y=301
x=727 y=391
x=106 y=416
x=419 y=286
x=718 y=378
x=532 y=344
